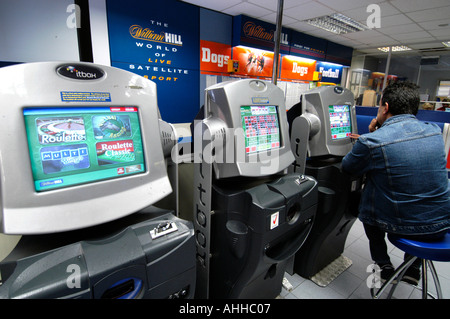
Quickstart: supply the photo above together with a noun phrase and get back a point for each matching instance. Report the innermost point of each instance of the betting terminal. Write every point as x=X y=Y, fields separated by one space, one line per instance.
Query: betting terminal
x=320 y=127
x=250 y=215
x=81 y=170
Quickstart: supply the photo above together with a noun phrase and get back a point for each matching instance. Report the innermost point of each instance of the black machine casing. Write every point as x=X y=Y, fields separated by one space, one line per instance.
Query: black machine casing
x=338 y=200
x=318 y=155
x=250 y=256
x=128 y=264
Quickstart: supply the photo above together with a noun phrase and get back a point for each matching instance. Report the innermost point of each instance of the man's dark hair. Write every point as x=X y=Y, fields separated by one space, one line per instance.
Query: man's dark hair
x=402 y=97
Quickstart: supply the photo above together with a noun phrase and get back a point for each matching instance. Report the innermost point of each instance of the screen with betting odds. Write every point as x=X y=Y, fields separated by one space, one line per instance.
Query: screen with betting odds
x=340 y=122
x=261 y=128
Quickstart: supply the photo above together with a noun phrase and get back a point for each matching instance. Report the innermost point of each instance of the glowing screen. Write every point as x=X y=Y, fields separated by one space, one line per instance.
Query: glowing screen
x=72 y=146
x=261 y=128
x=340 y=122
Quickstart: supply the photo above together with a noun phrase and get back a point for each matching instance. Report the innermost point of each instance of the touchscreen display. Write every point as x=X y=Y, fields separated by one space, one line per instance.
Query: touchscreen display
x=261 y=128
x=340 y=122
x=73 y=146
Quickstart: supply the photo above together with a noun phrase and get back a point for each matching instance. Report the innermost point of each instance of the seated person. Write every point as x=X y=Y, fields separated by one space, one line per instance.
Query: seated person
x=407 y=186
x=443 y=106
x=428 y=106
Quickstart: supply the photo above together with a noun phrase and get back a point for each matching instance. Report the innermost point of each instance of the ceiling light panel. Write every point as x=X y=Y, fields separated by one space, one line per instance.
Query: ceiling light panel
x=337 y=23
x=397 y=48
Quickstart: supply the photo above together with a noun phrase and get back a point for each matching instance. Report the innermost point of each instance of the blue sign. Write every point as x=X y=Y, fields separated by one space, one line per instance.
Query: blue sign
x=177 y=90
x=150 y=39
x=258 y=34
x=307 y=46
x=338 y=53
x=330 y=72
x=150 y=32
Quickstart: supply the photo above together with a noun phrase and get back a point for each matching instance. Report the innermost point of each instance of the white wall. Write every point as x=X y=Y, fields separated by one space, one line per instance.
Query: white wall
x=99 y=32
x=37 y=30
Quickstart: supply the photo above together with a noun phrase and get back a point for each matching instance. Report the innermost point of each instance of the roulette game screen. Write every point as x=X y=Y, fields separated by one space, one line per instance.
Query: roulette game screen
x=262 y=129
x=72 y=146
x=340 y=121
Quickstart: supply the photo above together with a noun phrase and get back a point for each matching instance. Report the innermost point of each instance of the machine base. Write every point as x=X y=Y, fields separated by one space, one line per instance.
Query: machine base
x=151 y=259
x=324 y=277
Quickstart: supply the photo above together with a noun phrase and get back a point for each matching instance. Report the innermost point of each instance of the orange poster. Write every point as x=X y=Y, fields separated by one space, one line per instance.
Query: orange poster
x=253 y=61
x=214 y=56
x=296 y=68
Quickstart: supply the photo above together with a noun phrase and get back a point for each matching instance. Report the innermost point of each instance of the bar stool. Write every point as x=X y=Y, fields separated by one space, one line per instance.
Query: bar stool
x=428 y=251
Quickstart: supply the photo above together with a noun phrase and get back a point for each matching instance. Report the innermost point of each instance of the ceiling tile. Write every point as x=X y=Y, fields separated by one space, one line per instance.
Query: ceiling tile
x=343 y=5
x=370 y=51
x=443 y=38
x=320 y=33
x=428 y=45
x=308 y=11
x=421 y=35
x=301 y=26
x=292 y=3
x=429 y=15
x=362 y=34
x=346 y=41
x=267 y=4
x=360 y=14
x=217 y=5
x=379 y=41
x=361 y=46
x=386 y=9
x=440 y=34
x=418 y=5
x=396 y=29
x=272 y=18
x=246 y=8
x=273 y=4
x=435 y=25
x=394 y=20
x=409 y=42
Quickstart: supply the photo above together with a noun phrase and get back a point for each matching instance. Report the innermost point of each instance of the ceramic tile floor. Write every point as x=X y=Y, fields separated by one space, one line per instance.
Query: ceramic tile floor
x=351 y=284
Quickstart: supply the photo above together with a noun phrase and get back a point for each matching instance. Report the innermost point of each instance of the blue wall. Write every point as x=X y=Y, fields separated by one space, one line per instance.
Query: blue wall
x=364 y=116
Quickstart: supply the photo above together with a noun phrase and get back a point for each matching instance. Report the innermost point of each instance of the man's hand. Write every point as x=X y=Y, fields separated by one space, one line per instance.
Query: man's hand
x=374 y=125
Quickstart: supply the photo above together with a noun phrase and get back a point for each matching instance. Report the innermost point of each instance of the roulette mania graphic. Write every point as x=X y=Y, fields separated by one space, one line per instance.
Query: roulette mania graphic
x=111 y=126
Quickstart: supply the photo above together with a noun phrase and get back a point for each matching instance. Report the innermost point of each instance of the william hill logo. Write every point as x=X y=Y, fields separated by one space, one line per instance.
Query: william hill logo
x=253 y=30
x=138 y=32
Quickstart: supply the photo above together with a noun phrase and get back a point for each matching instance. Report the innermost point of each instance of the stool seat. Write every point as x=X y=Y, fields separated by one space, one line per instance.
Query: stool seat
x=428 y=251
x=431 y=250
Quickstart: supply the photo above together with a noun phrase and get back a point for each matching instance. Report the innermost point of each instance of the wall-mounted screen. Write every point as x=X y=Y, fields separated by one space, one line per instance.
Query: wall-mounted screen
x=261 y=128
x=73 y=146
x=340 y=121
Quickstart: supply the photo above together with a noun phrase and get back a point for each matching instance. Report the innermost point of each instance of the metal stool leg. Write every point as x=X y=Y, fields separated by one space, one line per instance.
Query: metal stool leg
x=400 y=270
x=394 y=286
x=400 y=276
x=424 y=279
x=436 y=279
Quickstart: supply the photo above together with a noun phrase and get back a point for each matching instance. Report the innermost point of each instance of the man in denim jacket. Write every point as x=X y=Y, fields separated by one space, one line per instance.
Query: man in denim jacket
x=407 y=186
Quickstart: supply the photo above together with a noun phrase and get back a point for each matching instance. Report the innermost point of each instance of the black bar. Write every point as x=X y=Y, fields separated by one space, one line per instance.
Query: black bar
x=84 y=32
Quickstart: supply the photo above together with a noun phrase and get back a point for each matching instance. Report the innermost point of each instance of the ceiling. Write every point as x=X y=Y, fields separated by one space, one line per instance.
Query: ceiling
x=421 y=25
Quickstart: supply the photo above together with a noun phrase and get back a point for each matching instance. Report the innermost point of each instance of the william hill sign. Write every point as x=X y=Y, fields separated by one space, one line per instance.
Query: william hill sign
x=258 y=34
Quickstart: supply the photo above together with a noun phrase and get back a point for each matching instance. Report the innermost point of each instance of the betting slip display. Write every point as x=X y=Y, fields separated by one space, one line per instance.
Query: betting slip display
x=340 y=122
x=261 y=128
